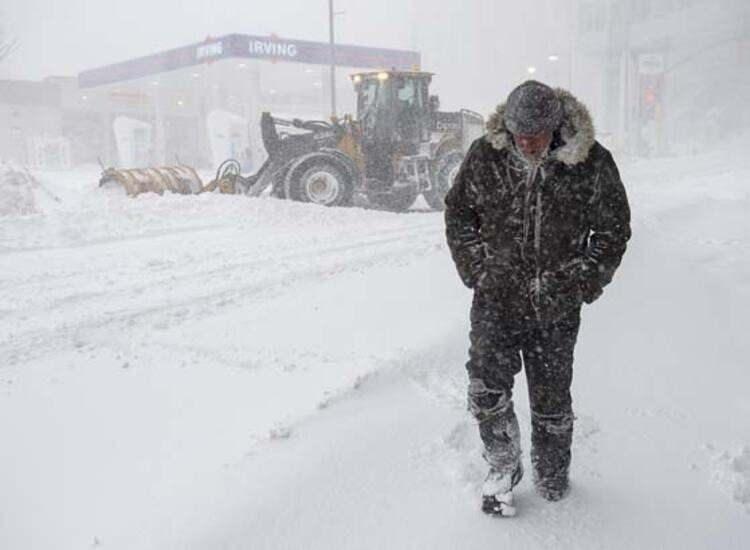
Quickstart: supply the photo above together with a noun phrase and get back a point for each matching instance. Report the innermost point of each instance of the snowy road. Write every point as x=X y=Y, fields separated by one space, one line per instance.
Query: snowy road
x=397 y=466
x=215 y=372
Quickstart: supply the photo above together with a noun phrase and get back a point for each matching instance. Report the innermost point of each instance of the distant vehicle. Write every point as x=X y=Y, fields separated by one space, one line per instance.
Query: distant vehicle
x=400 y=145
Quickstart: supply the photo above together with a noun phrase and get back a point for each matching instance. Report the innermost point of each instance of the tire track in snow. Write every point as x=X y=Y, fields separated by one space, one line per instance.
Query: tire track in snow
x=69 y=278
x=200 y=276
x=32 y=342
x=6 y=251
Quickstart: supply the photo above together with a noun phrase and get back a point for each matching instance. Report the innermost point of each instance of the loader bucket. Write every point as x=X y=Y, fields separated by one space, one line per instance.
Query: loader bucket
x=174 y=179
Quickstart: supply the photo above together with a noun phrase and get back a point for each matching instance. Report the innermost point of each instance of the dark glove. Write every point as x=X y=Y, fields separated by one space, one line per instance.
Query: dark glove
x=482 y=279
x=577 y=275
x=585 y=277
x=556 y=290
x=490 y=281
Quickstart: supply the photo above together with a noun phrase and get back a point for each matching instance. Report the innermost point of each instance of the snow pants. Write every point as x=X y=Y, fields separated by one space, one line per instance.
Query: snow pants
x=499 y=348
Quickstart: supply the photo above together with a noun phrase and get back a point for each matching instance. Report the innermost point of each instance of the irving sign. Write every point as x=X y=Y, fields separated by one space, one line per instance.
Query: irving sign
x=267 y=48
x=319 y=53
x=213 y=49
x=243 y=46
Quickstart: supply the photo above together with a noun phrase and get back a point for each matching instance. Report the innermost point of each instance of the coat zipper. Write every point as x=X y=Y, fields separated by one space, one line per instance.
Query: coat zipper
x=532 y=186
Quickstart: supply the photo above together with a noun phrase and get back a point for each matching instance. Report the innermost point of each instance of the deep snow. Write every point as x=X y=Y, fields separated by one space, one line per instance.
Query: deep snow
x=224 y=372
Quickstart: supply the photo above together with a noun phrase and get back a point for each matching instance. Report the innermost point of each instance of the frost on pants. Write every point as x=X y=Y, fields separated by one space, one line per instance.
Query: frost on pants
x=498 y=352
x=498 y=427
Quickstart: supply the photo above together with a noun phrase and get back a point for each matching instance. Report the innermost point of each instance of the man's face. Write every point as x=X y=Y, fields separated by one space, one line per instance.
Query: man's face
x=533 y=147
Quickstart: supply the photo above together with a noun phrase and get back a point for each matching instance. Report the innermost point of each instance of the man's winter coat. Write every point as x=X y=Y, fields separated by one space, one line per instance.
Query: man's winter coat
x=538 y=240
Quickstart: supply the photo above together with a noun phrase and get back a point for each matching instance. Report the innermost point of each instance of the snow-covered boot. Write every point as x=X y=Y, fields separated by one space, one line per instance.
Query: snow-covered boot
x=497 y=492
x=553 y=488
x=551 y=439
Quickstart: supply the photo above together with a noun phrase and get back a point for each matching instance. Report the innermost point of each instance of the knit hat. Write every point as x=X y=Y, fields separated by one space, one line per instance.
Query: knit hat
x=533 y=108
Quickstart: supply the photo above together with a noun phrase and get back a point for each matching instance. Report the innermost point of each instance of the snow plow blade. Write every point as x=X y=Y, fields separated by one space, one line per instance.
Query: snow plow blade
x=135 y=181
x=228 y=180
x=181 y=179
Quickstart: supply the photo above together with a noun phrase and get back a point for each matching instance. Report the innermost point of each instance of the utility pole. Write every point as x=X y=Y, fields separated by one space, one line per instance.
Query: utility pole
x=332 y=41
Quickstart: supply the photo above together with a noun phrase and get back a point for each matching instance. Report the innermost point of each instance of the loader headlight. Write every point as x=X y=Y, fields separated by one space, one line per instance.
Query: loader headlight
x=383 y=76
x=357 y=78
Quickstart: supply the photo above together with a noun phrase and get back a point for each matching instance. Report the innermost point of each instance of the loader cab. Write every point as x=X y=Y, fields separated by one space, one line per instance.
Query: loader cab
x=394 y=109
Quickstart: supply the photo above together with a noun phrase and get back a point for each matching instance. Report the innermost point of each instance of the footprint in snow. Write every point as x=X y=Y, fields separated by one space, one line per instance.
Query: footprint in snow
x=731 y=472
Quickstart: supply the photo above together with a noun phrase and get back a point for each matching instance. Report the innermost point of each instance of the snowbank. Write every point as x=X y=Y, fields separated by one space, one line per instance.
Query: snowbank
x=16 y=193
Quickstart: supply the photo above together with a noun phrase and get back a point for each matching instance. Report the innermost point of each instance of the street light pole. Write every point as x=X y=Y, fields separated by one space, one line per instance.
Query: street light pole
x=332 y=42
x=573 y=29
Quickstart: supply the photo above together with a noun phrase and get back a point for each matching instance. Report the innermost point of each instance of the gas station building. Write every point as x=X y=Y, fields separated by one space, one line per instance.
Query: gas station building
x=198 y=104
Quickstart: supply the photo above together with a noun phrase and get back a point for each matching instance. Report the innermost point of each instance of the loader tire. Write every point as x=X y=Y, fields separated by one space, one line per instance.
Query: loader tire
x=446 y=169
x=322 y=183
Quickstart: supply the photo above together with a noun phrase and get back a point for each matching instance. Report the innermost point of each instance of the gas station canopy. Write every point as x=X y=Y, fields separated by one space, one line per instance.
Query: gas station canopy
x=268 y=48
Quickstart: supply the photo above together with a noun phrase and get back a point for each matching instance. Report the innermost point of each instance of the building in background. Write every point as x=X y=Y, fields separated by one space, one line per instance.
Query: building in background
x=665 y=76
x=31 y=123
x=481 y=50
x=198 y=104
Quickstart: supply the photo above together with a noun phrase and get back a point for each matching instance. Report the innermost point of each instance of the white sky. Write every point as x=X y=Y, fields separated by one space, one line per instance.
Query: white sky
x=469 y=43
x=73 y=35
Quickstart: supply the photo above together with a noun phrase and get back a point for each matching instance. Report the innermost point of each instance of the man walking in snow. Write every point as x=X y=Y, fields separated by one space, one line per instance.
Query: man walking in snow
x=537 y=222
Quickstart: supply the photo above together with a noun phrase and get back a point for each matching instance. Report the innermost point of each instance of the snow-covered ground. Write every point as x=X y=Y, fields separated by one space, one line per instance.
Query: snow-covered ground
x=224 y=372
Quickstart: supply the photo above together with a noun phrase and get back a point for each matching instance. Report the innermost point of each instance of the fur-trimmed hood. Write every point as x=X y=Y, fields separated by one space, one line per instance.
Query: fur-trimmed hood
x=576 y=131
